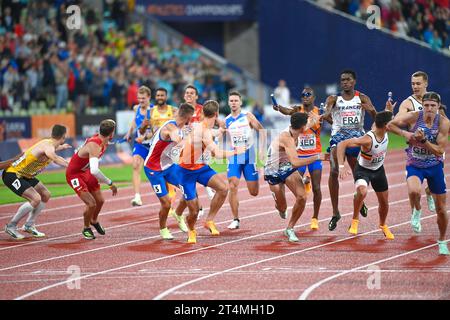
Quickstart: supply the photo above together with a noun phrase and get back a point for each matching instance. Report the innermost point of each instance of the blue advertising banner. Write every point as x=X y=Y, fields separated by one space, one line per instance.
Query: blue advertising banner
x=200 y=10
x=15 y=128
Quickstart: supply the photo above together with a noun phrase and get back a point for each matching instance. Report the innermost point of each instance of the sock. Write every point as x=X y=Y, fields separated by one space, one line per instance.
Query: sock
x=22 y=212
x=137 y=196
x=33 y=214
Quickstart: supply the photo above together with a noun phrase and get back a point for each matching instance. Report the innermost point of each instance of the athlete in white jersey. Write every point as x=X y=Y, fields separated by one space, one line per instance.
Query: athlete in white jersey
x=281 y=169
x=241 y=127
x=369 y=169
x=346 y=113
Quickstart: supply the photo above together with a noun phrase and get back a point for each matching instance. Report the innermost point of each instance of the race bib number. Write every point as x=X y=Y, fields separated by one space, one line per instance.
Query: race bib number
x=239 y=140
x=157 y=188
x=350 y=118
x=75 y=183
x=421 y=153
x=16 y=184
x=306 y=142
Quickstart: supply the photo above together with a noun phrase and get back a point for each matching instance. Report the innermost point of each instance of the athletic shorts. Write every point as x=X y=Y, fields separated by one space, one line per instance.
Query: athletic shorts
x=16 y=184
x=249 y=169
x=82 y=181
x=140 y=150
x=434 y=175
x=345 y=135
x=188 y=179
x=316 y=165
x=274 y=179
x=377 y=178
x=159 y=179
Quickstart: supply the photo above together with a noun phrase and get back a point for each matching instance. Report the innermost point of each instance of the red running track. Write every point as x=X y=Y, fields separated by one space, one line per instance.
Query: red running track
x=253 y=262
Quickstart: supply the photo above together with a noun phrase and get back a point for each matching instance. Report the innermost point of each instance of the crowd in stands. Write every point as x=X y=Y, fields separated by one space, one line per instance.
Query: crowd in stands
x=424 y=20
x=101 y=64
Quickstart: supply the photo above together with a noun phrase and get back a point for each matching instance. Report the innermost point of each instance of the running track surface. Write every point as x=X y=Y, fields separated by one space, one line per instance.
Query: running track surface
x=253 y=262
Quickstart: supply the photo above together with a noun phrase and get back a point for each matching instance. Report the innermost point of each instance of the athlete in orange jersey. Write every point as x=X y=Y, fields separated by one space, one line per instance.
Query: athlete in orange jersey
x=309 y=145
x=198 y=150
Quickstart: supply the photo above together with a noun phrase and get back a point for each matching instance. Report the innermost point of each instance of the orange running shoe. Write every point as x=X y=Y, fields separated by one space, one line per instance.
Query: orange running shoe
x=354 y=227
x=314 y=224
x=192 y=236
x=387 y=233
x=212 y=228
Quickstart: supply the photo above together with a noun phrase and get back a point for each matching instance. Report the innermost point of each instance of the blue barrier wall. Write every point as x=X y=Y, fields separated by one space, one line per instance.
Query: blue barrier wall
x=304 y=44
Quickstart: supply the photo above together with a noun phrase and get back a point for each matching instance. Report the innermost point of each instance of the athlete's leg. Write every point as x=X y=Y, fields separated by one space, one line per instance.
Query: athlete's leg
x=34 y=200
x=316 y=177
x=278 y=194
x=333 y=182
x=221 y=189
x=414 y=192
x=99 y=201
x=138 y=164
x=383 y=206
x=233 y=182
x=45 y=197
x=442 y=216
x=89 y=210
x=294 y=183
x=358 y=199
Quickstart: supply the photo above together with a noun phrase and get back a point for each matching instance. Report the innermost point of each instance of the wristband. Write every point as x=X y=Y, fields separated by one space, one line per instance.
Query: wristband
x=341 y=166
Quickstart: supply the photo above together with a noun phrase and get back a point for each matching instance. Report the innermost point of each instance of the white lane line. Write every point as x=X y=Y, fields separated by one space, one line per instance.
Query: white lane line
x=310 y=289
x=187 y=252
x=184 y=284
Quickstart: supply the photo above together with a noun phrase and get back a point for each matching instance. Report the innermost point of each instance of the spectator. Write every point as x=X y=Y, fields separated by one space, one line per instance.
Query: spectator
x=436 y=41
x=282 y=93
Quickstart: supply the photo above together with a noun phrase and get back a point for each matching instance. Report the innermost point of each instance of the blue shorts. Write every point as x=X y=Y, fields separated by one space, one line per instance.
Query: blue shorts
x=316 y=165
x=188 y=179
x=249 y=170
x=140 y=150
x=345 y=135
x=274 y=179
x=434 y=175
x=158 y=179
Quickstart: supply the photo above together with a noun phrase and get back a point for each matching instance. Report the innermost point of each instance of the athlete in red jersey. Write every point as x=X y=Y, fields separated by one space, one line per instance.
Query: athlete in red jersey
x=83 y=175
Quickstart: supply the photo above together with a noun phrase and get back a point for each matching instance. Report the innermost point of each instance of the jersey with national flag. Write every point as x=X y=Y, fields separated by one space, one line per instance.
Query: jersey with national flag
x=162 y=153
x=78 y=164
x=309 y=141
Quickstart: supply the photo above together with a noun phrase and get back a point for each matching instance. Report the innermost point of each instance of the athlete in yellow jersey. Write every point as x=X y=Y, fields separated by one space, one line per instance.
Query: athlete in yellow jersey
x=160 y=114
x=20 y=177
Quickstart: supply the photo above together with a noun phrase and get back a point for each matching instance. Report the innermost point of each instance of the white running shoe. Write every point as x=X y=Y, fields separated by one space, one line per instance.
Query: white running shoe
x=13 y=232
x=180 y=220
x=33 y=231
x=210 y=192
x=234 y=224
x=136 y=201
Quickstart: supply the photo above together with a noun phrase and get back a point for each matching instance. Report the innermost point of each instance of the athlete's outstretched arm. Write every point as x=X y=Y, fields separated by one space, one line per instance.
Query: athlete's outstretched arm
x=49 y=151
x=94 y=152
x=329 y=105
x=366 y=103
x=255 y=124
x=365 y=142
x=441 y=140
x=5 y=164
x=207 y=140
x=291 y=151
x=402 y=121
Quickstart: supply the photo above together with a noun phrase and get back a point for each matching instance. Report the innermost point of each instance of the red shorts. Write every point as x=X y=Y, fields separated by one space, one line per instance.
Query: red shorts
x=82 y=182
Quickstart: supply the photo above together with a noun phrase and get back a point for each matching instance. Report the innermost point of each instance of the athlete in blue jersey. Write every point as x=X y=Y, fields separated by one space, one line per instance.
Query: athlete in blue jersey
x=427 y=137
x=240 y=127
x=141 y=133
